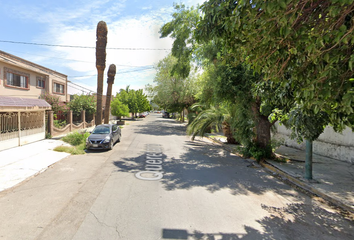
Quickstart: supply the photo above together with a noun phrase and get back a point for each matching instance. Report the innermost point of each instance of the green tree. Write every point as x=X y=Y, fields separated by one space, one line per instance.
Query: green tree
x=312 y=41
x=170 y=90
x=118 y=108
x=228 y=85
x=142 y=101
x=136 y=100
x=181 y=29
x=302 y=45
x=83 y=102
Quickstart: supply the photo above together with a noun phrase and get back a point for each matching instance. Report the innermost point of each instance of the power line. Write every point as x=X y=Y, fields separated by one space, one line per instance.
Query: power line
x=79 y=89
x=74 y=60
x=89 y=90
x=71 y=46
x=137 y=70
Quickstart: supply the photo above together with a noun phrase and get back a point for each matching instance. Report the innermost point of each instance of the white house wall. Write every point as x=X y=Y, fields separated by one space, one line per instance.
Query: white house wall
x=330 y=144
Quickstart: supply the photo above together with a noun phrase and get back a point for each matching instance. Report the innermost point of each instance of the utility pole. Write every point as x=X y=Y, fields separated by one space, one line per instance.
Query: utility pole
x=308 y=160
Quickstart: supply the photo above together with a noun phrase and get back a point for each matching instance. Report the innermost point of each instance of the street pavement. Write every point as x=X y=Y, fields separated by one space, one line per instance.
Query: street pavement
x=333 y=179
x=205 y=193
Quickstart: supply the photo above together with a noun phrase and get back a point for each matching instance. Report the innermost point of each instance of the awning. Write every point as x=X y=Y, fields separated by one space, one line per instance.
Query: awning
x=18 y=104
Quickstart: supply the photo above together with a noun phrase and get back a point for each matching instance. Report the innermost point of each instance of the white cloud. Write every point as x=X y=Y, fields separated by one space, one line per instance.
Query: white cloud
x=195 y=2
x=75 y=25
x=147 y=8
x=141 y=32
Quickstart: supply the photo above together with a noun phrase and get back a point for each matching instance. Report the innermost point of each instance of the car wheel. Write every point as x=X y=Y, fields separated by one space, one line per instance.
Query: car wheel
x=118 y=140
x=110 y=147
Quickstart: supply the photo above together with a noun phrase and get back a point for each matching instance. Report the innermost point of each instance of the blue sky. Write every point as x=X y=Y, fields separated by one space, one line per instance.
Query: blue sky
x=131 y=24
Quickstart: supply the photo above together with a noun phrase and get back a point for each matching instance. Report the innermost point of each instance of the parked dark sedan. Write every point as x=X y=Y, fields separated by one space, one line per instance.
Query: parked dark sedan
x=166 y=115
x=104 y=136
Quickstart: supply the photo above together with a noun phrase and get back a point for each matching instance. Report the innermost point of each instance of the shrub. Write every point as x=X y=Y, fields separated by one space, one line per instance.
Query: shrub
x=59 y=123
x=258 y=153
x=54 y=101
x=83 y=102
x=76 y=138
x=48 y=135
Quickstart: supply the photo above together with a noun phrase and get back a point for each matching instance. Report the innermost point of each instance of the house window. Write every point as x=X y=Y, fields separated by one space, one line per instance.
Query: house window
x=16 y=80
x=40 y=82
x=58 y=88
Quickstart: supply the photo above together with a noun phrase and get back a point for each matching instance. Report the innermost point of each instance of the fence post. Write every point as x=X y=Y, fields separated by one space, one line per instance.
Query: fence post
x=83 y=118
x=19 y=127
x=70 y=120
x=50 y=122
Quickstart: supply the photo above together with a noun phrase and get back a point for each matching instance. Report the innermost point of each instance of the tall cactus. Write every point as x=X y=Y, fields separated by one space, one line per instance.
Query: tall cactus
x=101 y=43
x=110 y=81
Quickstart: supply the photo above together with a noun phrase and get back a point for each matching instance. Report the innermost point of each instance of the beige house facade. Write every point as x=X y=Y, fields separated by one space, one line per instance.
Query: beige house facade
x=22 y=78
x=22 y=111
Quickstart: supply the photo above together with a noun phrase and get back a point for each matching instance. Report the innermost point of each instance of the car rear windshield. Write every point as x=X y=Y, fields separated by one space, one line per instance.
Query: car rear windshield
x=101 y=130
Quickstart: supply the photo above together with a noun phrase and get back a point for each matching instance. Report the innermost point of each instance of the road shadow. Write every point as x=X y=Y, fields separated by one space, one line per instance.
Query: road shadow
x=207 y=165
x=295 y=221
x=162 y=127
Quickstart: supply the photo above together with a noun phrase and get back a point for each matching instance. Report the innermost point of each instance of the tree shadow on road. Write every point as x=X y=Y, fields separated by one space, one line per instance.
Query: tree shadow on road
x=295 y=221
x=207 y=165
x=170 y=127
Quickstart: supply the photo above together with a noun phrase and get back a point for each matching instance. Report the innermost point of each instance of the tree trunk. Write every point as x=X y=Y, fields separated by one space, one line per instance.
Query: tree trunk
x=228 y=133
x=182 y=116
x=110 y=81
x=108 y=103
x=263 y=136
x=263 y=126
x=101 y=42
x=98 y=119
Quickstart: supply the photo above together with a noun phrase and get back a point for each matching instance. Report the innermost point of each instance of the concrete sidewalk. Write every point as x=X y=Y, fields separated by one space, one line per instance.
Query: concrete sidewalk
x=23 y=162
x=333 y=180
x=20 y=163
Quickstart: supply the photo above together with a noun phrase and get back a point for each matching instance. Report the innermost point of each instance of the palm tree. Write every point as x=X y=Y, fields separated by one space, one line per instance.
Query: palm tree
x=110 y=81
x=215 y=116
x=101 y=43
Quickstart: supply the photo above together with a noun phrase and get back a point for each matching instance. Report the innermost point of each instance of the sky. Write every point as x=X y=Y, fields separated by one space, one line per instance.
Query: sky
x=133 y=42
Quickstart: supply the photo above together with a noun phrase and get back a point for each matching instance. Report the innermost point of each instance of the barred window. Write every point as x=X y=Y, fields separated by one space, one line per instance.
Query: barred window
x=16 y=80
x=58 y=88
x=40 y=82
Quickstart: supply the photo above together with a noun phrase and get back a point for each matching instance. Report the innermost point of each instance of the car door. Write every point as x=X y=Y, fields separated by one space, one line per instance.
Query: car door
x=115 y=132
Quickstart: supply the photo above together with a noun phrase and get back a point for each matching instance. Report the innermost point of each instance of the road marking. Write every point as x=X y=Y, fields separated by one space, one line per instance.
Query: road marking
x=153 y=167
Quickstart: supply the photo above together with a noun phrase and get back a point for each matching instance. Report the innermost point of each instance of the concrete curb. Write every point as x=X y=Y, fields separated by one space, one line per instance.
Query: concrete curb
x=306 y=187
x=297 y=182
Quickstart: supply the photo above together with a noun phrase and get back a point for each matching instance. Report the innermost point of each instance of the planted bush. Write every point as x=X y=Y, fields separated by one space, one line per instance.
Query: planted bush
x=76 y=138
x=78 y=142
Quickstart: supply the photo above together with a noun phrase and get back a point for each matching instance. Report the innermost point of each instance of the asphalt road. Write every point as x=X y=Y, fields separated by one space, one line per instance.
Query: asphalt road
x=157 y=184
